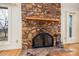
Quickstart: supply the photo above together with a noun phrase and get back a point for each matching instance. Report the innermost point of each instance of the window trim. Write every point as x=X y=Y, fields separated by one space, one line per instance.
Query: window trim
x=9 y=25
x=68 y=24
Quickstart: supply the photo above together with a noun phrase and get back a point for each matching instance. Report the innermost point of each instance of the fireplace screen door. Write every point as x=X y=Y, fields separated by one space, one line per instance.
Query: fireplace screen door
x=42 y=40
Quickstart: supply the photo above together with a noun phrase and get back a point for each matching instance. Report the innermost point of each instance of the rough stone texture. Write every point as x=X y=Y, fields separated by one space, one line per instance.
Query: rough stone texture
x=30 y=28
x=50 y=10
x=45 y=51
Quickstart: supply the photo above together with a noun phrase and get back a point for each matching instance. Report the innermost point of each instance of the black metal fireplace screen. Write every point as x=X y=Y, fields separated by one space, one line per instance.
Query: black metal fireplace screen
x=42 y=40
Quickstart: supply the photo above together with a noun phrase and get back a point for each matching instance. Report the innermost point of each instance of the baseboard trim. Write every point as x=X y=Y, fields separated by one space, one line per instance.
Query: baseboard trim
x=71 y=43
x=10 y=49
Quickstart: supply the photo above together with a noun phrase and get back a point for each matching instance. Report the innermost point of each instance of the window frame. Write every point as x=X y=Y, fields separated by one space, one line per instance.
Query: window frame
x=68 y=25
x=9 y=25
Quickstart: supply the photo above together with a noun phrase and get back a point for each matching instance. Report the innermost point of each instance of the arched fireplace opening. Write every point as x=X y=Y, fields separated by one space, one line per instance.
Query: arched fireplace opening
x=42 y=40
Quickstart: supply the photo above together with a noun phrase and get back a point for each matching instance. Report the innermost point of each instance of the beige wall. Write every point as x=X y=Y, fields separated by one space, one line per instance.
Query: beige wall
x=65 y=9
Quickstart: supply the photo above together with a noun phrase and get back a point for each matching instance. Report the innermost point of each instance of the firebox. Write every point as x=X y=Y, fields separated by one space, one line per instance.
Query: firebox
x=42 y=40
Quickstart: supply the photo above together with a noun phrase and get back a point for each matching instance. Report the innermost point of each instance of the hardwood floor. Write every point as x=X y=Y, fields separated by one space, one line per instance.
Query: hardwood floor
x=17 y=52
x=73 y=47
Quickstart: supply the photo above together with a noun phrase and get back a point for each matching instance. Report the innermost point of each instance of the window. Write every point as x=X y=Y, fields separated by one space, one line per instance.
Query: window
x=70 y=25
x=3 y=23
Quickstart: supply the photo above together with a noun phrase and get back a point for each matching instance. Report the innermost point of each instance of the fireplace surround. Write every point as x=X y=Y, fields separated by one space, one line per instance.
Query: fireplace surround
x=40 y=21
x=41 y=32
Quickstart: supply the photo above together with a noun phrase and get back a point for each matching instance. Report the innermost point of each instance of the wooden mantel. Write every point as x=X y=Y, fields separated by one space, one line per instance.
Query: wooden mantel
x=42 y=19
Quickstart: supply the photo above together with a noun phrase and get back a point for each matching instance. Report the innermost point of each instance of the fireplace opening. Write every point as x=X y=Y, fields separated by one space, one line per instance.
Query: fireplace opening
x=42 y=40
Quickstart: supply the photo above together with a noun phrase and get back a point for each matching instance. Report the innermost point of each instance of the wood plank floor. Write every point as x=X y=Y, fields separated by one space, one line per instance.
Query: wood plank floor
x=17 y=52
x=73 y=47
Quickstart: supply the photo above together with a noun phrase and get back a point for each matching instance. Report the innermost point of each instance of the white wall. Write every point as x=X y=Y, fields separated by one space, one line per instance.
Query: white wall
x=66 y=8
x=15 y=30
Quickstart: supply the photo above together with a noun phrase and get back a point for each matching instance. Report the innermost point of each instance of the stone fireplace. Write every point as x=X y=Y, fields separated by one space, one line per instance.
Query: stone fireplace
x=40 y=25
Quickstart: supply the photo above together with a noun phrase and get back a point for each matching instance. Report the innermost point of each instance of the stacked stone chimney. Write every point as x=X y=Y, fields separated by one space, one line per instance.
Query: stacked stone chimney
x=30 y=28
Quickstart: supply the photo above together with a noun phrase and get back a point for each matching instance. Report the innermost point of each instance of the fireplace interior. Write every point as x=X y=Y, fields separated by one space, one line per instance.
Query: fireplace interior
x=42 y=40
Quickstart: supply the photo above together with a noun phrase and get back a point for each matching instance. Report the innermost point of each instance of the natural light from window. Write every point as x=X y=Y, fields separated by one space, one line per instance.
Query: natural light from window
x=3 y=23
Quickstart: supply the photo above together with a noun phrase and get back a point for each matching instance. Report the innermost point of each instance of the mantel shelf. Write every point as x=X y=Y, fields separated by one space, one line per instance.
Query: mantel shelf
x=42 y=19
